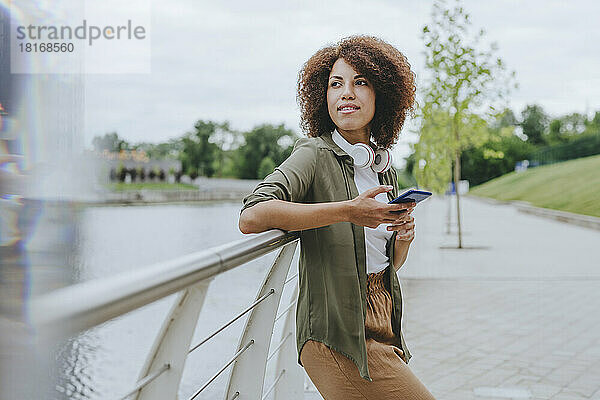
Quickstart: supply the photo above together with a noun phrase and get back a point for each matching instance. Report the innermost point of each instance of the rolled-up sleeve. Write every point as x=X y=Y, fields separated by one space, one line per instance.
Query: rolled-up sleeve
x=291 y=180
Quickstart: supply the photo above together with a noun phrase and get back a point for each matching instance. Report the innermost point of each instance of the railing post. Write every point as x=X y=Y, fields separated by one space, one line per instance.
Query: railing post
x=248 y=372
x=291 y=386
x=172 y=344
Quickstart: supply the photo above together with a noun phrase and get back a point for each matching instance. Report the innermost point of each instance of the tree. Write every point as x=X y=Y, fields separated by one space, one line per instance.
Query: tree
x=266 y=140
x=555 y=132
x=111 y=142
x=568 y=127
x=506 y=119
x=459 y=96
x=534 y=122
x=198 y=151
x=499 y=154
x=267 y=165
x=575 y=123
x=227 y=140
x=161 y=151
x=594 y=125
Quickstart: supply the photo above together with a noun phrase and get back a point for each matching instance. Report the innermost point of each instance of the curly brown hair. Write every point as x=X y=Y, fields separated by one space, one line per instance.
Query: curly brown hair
x=386 y=68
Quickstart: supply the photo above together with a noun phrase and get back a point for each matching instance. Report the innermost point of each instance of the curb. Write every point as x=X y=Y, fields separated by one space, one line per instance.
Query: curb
x=586 y=221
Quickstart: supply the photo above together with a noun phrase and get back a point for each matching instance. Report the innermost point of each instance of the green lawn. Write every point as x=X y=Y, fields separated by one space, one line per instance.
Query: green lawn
x=572 y=186
x=120 y=187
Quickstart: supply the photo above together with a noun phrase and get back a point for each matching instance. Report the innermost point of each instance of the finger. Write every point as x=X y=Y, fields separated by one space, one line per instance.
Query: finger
x=397 y=212
x=400 y=207
x=407 y=236
x=401 y=229
x=396 y=225
x=378 y=189
x=405 y=225
x=406 y=217
x=410 y=218
x=402 y=219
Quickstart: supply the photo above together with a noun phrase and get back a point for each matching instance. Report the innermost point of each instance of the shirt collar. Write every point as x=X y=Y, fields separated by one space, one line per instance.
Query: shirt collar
x=338 y=143
x=341 y=142
x=328 y=140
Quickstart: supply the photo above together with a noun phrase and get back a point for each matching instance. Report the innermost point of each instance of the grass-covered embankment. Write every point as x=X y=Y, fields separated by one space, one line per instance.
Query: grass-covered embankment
x=572 y=186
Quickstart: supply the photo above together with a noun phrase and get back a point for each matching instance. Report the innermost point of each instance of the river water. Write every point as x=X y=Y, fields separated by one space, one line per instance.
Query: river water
x=104 y=362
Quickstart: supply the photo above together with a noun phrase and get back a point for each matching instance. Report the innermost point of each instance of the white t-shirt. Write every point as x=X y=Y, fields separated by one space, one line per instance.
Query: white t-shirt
x=375 y=239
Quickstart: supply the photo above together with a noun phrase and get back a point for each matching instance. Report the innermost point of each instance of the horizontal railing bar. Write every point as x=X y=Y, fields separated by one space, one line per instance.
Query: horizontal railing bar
x=279 y=346
x=291 y=277
x=261 y=298
x=286 y=310
x=235 y=356
x=268 y=392
x=146 y=380
x=84 y=305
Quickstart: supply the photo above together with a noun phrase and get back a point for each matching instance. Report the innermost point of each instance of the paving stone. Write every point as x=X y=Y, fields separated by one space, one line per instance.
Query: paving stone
x=508 y=316
x=544 y=390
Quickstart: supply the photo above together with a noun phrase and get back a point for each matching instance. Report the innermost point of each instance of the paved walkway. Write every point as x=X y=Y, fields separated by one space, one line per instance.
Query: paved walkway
x=514 y=317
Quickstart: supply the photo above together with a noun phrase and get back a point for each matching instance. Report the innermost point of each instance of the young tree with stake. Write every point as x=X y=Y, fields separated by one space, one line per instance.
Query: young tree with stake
x=459 y=95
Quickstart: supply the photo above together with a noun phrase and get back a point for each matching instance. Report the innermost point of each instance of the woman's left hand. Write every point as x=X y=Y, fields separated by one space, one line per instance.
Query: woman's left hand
x=404 y=225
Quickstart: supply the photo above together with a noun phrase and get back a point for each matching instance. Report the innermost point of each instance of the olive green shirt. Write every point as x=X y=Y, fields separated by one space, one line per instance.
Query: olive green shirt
x=332 y=266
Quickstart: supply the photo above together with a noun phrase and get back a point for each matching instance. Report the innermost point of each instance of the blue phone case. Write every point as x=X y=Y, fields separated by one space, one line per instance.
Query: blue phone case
x=411 y=195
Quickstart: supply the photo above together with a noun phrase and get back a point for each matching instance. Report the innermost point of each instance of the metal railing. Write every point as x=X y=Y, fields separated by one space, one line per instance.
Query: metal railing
x=79 y=307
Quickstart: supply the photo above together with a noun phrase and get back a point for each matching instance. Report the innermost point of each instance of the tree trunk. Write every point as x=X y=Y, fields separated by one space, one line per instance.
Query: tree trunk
x=456 y=180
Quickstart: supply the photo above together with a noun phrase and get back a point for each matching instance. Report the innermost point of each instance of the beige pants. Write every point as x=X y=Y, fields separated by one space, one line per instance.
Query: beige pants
x=337 y=377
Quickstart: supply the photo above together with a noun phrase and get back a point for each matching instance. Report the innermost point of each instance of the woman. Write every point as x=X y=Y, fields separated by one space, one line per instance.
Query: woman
x=352 y=242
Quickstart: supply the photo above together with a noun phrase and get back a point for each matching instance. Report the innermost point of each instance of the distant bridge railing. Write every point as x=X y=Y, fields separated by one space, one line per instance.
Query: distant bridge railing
x=79 y=307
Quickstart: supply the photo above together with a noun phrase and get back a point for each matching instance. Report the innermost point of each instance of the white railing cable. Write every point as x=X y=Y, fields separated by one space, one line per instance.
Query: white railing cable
x=287 y=309
x=279 y=346
x=146 y=380
x=235 y=356
x=291 y=278
x=248 y=373
x=73 y=309
x=291 y=386
x=270 y=389
x=82 y=306
x=232 y=320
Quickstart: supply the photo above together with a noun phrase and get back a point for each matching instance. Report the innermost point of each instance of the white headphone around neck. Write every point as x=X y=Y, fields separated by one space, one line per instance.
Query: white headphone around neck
x=364 y=157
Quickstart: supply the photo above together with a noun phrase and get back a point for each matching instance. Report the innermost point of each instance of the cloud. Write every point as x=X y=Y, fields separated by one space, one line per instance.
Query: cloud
x=239 y=61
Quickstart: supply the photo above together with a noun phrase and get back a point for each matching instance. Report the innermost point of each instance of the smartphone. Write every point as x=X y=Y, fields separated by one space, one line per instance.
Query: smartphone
x=410 y=196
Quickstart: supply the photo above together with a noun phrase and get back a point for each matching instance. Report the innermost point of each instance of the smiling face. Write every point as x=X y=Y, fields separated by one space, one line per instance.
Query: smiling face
x=350 y=100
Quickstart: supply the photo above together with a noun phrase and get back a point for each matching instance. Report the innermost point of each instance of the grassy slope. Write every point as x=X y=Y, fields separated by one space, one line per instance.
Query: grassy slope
x=572 y=186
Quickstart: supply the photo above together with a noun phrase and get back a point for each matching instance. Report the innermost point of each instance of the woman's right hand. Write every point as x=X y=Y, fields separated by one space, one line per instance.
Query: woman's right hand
x=365 y=210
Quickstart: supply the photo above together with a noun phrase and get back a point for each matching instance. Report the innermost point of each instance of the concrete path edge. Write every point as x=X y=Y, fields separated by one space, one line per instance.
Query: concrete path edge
x=587 y=221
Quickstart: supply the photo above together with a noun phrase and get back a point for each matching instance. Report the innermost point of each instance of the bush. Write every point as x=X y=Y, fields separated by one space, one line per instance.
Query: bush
x=121 y=172
x=493 y=159
x=133 y=173
x=192 y=173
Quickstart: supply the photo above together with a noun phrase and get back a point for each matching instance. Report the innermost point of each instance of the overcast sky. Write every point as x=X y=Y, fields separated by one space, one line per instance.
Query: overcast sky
x=239 y=60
